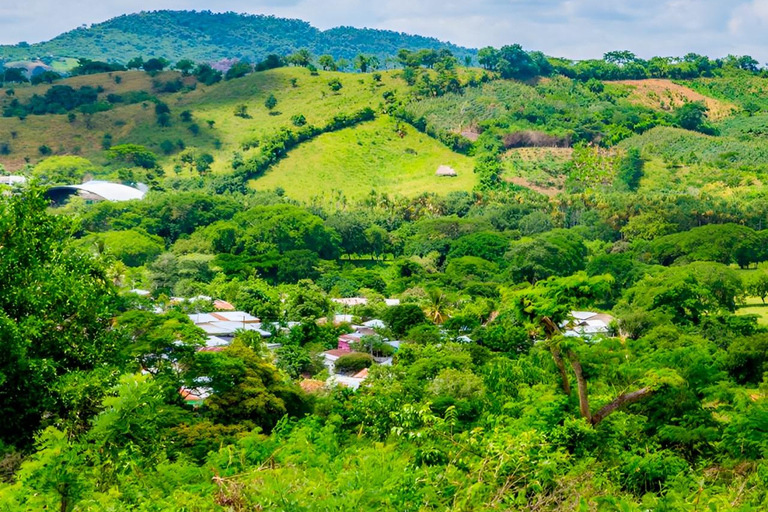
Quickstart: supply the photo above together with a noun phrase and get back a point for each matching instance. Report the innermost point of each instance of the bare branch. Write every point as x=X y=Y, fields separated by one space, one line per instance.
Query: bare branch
x=619 y=402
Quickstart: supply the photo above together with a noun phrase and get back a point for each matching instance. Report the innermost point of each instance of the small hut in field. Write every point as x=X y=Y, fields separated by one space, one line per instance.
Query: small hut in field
x=444 y=170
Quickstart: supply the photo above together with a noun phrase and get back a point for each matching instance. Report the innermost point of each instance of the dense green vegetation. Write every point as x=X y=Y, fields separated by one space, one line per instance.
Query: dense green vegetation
x=206 y=36
x=282 y=186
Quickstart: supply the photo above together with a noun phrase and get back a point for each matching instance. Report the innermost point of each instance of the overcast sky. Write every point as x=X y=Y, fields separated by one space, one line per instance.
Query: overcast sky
x=568 y=28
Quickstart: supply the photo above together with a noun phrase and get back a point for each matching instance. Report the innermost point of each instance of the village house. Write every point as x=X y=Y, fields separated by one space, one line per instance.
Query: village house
x=587 y=324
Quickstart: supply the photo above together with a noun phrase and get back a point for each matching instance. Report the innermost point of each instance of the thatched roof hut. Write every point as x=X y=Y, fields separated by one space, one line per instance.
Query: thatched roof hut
x=444 y=170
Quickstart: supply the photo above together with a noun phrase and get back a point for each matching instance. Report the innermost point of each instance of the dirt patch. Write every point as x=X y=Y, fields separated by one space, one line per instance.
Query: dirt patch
x=547 y=191
x=667 y=95
x=470 y=133
x=531 y=138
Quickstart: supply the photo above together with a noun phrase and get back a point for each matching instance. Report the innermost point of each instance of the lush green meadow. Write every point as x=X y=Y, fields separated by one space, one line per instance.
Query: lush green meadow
x=366 y=158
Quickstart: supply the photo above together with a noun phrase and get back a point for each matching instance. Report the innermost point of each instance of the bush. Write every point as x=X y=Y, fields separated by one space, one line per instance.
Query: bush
x=353 y=363
x=402 y=318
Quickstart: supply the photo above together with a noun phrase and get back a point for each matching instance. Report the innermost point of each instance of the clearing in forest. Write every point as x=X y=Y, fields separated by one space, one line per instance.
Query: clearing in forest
x=667 y=95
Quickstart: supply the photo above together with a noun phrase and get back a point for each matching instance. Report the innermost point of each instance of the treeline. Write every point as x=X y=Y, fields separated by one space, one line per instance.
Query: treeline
x=513 y=61
x=215 y=36
x=276 y=146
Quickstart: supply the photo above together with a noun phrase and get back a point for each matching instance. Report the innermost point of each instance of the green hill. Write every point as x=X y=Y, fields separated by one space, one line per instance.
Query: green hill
x=207 y=36
x=370 y=157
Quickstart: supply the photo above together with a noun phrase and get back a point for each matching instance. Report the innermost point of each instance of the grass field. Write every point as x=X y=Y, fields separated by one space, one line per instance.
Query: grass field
x=311 y=96
x=368 y=157
x=755 y=306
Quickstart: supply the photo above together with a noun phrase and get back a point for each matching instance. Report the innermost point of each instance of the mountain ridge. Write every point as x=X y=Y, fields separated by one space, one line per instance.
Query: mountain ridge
x=209 y=36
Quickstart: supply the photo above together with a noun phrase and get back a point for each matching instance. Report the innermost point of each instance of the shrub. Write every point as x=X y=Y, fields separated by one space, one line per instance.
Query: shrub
x=335 y=84
x=353 y=363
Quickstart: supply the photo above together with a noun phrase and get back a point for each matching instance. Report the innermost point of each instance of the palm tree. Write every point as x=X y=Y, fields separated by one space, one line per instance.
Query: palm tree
x=437 y=306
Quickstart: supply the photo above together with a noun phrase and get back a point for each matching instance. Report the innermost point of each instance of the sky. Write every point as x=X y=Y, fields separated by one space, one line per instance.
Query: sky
x=576 y=29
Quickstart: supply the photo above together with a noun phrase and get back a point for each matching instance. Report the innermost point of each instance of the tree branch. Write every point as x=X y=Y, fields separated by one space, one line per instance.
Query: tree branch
x=582 y=385
x=558 y=357
x=619 y=402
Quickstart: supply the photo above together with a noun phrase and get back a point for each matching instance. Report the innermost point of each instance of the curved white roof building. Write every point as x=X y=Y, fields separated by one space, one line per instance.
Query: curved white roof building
x=98 y=191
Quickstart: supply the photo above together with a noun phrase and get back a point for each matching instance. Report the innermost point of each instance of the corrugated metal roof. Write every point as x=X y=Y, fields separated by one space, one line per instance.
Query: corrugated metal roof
x=235 y=316
x=108 y=190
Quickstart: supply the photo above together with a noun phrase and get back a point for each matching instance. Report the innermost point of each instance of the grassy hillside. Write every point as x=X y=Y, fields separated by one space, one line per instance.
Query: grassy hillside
x=206 y=36
x=551 y=111
x=675 y=145
x=311 y=96
x=369 y=157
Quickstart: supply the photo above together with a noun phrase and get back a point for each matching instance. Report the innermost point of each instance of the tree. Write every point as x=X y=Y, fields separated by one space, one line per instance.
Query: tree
x=260 y=300
x=63 y=170
x=155 y=65
x=55 y=470
x=246 y=388
x=401 y=319
x=554 y=253
x=15 y=75
x=514 y=62
x=757 y=285
x=302 y=58
x=363 y=63
x=161 y=345
x=353 y=363
x=437 y=307
x=335 y=84
x=242 y=111
x=73 y=298
x=238 y=70
x=306 y=301
x=488 y=57
x=133 y=247
x=135 y=63
x=692 y=116
x=203 y=163
x=327 y=62
x=377 y=239
x=207 y=75
x=630 y=169
x=134 y=154
x=47 y=77
x=294 y=360
x=686 y=294
x=136 y=421
x=185 y=66
x=270 y=102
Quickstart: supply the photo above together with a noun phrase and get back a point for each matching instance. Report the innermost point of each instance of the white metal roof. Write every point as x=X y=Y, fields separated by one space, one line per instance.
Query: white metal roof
x=215 y=341
x=202 y=318
x=108 y=190
x=12 y=180
x=582 y=315
x=374 y=324
x=235 y=316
